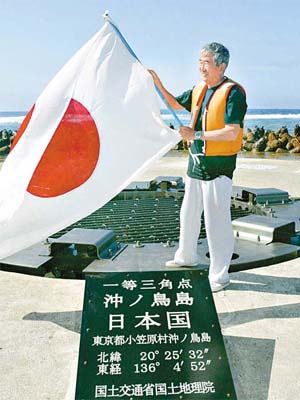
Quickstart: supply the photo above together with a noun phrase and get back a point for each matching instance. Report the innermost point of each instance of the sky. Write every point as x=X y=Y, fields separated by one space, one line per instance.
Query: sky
x=37 y=37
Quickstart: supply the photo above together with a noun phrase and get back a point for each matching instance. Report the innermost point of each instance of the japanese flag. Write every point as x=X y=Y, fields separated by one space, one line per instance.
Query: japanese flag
x=94 y=128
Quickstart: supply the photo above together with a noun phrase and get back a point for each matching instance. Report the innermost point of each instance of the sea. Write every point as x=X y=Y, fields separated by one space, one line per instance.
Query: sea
x=271 y=118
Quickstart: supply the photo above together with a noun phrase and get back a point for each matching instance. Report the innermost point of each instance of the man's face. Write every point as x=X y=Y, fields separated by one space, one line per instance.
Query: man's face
x=211 y=74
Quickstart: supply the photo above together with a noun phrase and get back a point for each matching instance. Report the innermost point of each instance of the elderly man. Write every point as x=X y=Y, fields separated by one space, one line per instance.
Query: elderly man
x=218 y=106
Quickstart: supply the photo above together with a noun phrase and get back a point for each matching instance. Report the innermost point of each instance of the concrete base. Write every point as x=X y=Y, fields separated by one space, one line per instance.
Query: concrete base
x=153 y=256
x=259 y=315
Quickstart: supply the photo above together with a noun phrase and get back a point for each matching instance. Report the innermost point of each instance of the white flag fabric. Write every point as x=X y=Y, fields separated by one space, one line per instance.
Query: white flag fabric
x=95 y=127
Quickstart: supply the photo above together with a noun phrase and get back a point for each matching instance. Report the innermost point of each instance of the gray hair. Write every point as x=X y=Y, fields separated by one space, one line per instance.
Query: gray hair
x=219 y=52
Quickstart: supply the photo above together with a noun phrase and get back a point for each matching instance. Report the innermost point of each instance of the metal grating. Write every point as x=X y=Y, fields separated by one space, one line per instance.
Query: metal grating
x=148 y=220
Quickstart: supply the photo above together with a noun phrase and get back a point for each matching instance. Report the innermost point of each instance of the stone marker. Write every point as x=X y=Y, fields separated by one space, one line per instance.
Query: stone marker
x=151 y=335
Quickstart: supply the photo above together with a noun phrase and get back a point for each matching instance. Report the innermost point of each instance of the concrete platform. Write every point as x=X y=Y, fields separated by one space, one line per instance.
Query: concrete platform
x=153 y=256
x=259 y=315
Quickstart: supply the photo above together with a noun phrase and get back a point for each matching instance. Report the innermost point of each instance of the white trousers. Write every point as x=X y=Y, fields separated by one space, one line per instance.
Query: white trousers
x=214 y=198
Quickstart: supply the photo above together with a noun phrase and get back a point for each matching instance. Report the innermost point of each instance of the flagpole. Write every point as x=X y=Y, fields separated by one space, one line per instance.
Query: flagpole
x=108 y=19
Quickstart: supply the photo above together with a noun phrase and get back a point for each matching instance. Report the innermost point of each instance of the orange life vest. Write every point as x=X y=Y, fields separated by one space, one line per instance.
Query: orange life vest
x=213 y=117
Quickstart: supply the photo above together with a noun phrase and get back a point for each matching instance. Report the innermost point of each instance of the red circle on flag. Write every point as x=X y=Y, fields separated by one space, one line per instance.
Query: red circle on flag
x=71 y=155
x=22 y=128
